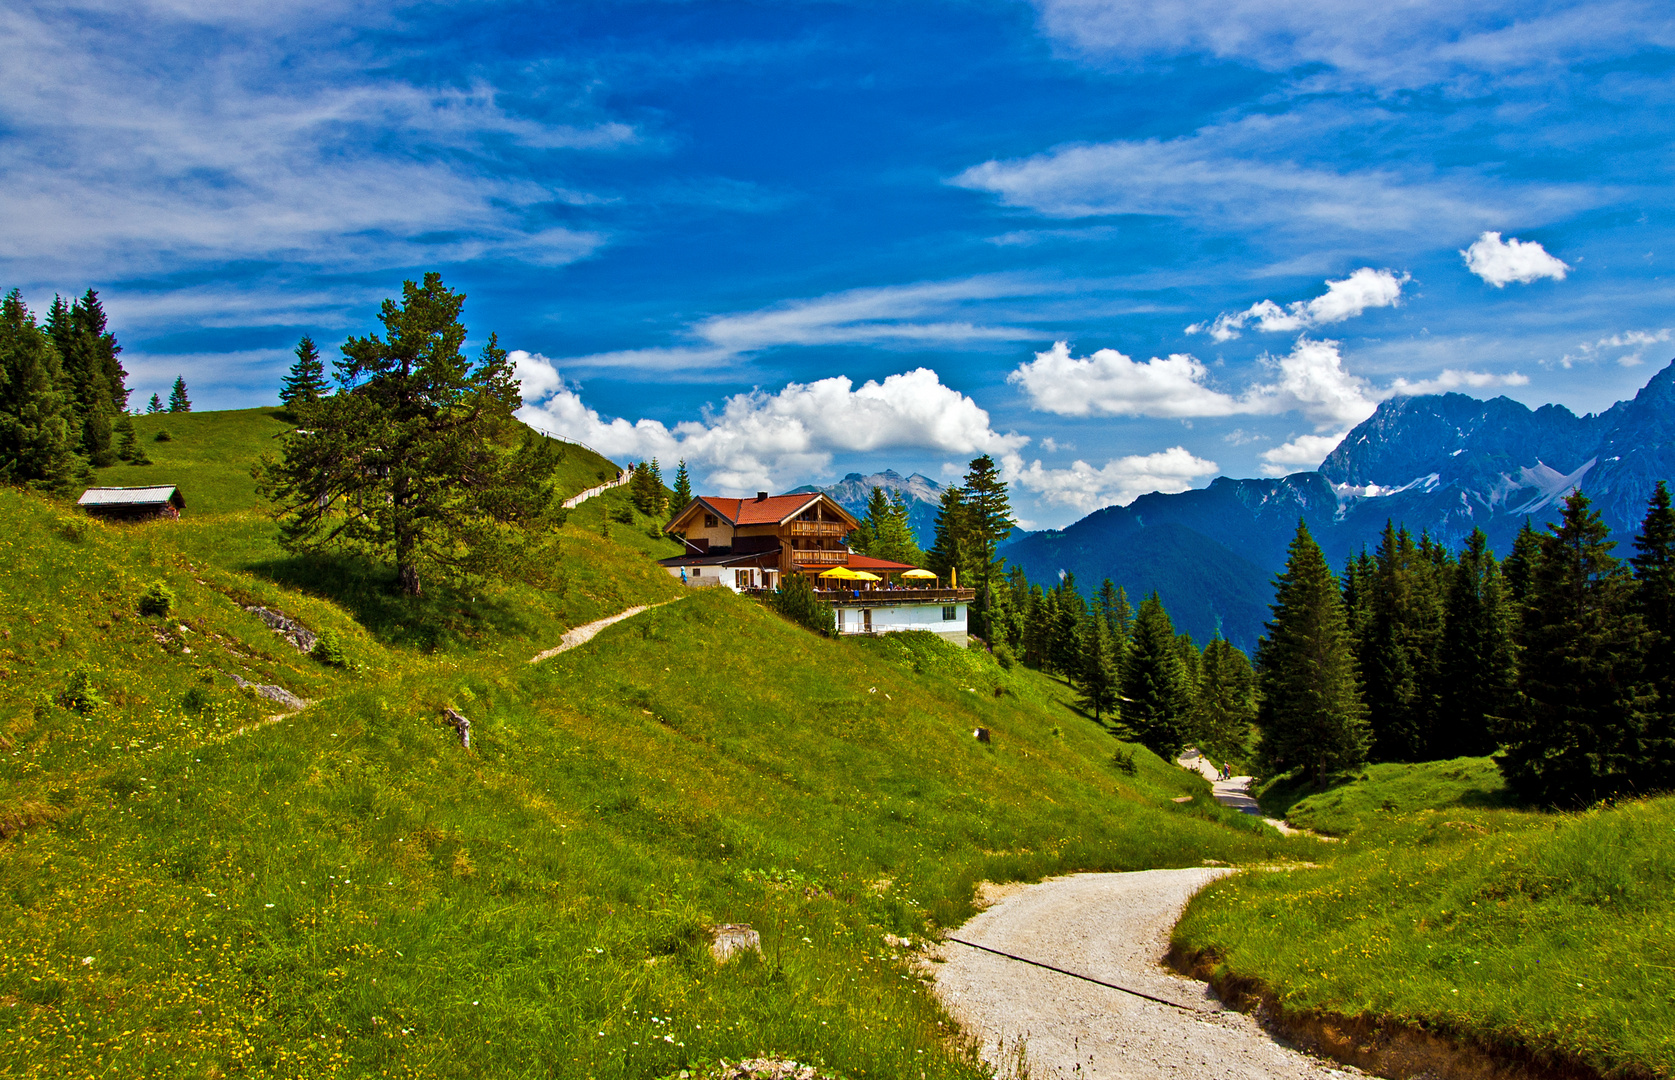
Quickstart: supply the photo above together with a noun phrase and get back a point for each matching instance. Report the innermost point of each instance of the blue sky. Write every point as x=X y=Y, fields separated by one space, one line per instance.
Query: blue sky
x=787 y=241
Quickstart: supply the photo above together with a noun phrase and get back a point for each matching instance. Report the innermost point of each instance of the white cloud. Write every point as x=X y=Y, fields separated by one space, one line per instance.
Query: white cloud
x=1362 y=289
x=766 y=441
x=1310 y=379
x=1500 y=262
x=919 y=313
x=1108 y=383
x=1402 y=43
x=1119 y=482
x=1302 y=453
x=1636 y=341
x=1450 y=379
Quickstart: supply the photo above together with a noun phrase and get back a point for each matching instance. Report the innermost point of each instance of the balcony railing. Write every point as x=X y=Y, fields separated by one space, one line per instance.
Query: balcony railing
x=820 y=556
x=818 y=528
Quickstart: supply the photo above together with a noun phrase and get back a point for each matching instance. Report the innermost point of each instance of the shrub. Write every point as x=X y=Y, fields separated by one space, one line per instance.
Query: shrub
x=795 y=600
x=73 y=529
x=195 y=700
x=328 y=649
x=79 y=694
x=623 y=515
x=158 y=599
x=1003 y=656
x=163 y=435
x=1122 y=759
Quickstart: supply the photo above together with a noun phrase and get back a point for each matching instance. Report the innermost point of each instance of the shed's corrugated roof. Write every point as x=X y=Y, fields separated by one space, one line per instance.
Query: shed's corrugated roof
x=131 y=496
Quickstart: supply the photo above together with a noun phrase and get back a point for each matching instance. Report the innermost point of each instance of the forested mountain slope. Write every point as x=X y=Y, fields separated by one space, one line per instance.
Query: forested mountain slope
x=1439 y=463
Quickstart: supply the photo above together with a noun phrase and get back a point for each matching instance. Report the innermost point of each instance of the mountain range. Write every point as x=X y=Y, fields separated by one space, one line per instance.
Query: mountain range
x=1437 y=463
x=922 y=494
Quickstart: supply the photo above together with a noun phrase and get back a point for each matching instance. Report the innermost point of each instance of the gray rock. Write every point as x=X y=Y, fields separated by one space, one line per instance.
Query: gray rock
x=301 y=637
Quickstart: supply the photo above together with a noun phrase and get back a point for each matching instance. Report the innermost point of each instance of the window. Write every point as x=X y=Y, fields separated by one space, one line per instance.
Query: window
x=696 y=570
x=710 y=522
x=949 y=612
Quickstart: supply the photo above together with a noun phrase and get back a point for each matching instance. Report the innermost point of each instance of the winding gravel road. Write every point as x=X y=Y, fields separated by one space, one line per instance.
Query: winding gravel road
x=1113 y=928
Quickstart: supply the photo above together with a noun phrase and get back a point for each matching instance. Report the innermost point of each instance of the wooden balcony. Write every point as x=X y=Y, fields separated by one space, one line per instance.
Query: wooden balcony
x=894 y=597
x=817 y=528
x=816 y=557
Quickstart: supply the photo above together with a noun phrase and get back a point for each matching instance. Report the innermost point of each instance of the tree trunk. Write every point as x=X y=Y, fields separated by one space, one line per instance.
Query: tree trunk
x=408 y=576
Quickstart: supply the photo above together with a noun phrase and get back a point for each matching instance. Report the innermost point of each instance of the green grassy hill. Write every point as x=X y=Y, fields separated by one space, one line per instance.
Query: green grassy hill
x=1448 y=909
x=199 y=882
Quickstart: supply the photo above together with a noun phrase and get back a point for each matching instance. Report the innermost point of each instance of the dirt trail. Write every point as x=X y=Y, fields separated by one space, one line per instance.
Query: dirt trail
x=580 y=635
x=1234 y=792
x=1113 y=928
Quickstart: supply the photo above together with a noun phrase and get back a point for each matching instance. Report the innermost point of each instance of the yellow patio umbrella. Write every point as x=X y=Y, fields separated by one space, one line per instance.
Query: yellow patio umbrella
x=842 y=572
x=919 y=575
x=862 y=575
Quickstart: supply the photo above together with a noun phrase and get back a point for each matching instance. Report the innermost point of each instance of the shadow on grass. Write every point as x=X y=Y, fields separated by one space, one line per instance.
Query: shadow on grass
x=443 y=615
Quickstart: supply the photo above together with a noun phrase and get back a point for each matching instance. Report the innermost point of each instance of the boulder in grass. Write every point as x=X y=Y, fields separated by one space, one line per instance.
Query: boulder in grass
x=728 y=939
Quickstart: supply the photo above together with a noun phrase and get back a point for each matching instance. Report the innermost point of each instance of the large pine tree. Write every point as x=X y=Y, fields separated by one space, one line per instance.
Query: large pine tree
x=683 y=487
x=306 y=382
x=406 y=461
x=1399 y=610
x=1479 y=661
x=1154 y=685
x=988 y=520
x=948 y=553
x=1579 y=723
x=1224 y=707
x=37 y=439
x=1311 y=714
x=1099 y=678
x=1654 y=573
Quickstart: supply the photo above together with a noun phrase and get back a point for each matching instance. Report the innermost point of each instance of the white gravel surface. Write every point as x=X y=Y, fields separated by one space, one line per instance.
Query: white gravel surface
x=1115 y=928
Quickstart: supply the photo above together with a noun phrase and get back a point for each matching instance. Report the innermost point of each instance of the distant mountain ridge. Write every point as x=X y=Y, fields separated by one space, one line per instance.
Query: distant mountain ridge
x=1437 y=463
x=923 y=495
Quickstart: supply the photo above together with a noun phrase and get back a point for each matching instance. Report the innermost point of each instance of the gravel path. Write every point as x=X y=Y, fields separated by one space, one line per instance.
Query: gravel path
x=1114 y=928
x=580 y=635
x=1234 y=792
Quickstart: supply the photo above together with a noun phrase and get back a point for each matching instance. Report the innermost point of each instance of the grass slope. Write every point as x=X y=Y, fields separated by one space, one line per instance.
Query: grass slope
x=189 y=890
x=1449 y=909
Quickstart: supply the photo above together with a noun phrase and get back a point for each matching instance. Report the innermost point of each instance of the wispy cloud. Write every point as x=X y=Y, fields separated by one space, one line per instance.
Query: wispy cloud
x=1635 y=341
x=1344 y=299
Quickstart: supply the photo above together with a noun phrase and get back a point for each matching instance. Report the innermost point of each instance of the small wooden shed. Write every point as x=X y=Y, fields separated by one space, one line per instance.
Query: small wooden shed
x=133 y=503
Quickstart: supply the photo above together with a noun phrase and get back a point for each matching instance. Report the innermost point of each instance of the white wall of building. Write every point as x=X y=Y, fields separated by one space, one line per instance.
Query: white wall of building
x=898 y=617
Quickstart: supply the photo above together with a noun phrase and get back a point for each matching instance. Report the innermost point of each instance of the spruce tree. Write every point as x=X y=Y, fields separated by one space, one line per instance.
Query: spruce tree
x=1114 y=609
x=306 y=382
x=1654 y=594
x=1154 y=690
x=988 y=521
x=868 y=539
x=155 y=405
x=1099 y=679
x=127 y=442
x=1311 y=714
x=683 y=487
x=37 y=441
x=1039 y=620
x=1225 y=703
x=948 y=553
x=1069 y=611
x=1478 y=662
x=1401 y=632
x=1516 y=570
x=1577 y=730
x=178 y=401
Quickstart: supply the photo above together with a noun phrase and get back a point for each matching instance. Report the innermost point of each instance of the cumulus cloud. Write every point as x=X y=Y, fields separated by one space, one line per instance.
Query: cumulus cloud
x=1108 y=383
x=1635 y=341
x=1449 y=379
x=1302 y=453
x=1500 y=262
x=760 y=440
x=1119 y=482
x=1364 y=288
x=1310 y=379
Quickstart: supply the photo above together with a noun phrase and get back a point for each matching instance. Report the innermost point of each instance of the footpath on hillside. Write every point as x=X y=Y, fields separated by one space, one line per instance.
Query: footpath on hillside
x=1103 y=931
x=580 y=635
x=1233 y=791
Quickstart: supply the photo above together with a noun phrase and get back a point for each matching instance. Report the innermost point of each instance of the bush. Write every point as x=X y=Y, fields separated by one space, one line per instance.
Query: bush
x=795 y=600
x=623 y=515
x=195 y=700
x=158 y=599
x=73 y=529
x=1003 y=656
x=328 y=649
x=80 y=693
x=163 y=435
x=1122 y=759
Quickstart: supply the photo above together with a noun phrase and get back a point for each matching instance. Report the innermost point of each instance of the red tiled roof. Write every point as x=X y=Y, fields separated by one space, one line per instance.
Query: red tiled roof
x=769 y=511
x=864 y=562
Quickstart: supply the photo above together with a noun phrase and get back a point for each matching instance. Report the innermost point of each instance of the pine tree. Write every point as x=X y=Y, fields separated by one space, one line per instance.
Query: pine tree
x=1310 y=713
x=683 y=487
x=127 y=441
x=988 y=521
x=155 y=405
x=306 y=382
x=1039 y=620
x=1516 y=570
x=37 y=443
x=1154 y=687
x=1578 y=727
x=948 y=553
x=1654 y=594
x=1399 y=645
x=1118 y=616
x=1478 y=662
x=1225 y=704
x=868 y=539
x=1099 y=678
x=89 y=317
x=178 y=401
x=405 y=462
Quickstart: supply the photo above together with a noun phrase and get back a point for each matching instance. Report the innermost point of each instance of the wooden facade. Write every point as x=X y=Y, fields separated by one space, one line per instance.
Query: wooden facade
x=788 y=534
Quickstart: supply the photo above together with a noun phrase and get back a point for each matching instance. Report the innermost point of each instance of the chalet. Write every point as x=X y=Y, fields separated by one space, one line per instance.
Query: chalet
x=749 y=545
x=133 y=504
